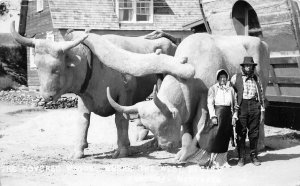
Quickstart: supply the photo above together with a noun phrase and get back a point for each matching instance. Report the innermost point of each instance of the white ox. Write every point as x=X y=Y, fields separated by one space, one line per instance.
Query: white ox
x=69 y=66
x=184 y=102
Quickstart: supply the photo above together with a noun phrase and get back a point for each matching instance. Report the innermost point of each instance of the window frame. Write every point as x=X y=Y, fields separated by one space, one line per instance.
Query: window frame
x=134 y=7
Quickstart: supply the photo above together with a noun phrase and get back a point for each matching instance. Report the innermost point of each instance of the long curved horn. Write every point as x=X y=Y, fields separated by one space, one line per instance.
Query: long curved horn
x=161 y=105
x=137 y=64
x=20 y=39
x=67 y=45
x=122 y=109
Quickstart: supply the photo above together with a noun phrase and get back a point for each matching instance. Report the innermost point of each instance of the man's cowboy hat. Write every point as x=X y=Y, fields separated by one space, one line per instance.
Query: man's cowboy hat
x=248 y=61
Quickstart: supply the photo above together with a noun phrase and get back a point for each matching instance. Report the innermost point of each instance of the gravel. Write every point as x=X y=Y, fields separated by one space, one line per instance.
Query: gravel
x=25 y=97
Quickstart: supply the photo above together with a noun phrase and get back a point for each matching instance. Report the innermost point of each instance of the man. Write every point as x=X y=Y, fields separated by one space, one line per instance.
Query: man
x=250 y=103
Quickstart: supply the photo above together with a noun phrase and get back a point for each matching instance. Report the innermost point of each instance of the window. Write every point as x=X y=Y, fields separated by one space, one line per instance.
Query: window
x=135 y=10
x=39 y=5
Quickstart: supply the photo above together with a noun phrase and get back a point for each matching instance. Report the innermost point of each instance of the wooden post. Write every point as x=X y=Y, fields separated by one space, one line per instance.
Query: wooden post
x=204 y=18
x=246 y=22
x=294 y=6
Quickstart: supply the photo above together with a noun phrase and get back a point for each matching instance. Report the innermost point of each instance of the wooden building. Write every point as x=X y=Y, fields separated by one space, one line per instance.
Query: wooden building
x=274 y=21
x=277 y=23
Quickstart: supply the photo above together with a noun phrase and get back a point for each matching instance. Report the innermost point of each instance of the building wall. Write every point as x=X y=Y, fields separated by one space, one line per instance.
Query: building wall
x=39 y=25
x=274 y=17
x=38 y=22
x=102 y=15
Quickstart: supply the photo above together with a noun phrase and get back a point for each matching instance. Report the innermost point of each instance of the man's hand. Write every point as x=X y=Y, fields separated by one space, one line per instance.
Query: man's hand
x=262 y=117
x=214 y=120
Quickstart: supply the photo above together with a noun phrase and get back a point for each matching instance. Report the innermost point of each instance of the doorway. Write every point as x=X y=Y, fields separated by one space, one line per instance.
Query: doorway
x=245 y=19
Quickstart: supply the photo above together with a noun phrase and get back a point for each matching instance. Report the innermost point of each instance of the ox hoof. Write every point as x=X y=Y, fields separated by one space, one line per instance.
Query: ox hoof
x=121 y=153
x=77 y=155
x=185 y=153
x=142 y=134
x=79 y=151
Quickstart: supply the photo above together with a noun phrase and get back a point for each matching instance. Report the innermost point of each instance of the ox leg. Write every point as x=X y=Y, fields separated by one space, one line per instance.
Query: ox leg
x=82 y=127
x=142 y=132
x=189 y=142
x=123 y=140
x=189 y=147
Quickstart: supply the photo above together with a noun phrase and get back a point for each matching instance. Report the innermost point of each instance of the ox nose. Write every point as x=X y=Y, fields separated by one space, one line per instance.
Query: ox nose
x=48 y=95
x=48 y=98
x=167 y=146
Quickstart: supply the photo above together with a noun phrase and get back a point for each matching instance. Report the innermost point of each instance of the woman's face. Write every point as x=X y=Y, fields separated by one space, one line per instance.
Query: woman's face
x=222 y=79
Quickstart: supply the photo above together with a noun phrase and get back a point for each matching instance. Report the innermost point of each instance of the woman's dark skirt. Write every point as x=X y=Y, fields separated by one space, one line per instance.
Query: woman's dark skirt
x=215 y=138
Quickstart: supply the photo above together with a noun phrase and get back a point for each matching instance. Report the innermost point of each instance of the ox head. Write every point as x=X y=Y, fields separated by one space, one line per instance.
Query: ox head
x=162 y=119
x=53 y=67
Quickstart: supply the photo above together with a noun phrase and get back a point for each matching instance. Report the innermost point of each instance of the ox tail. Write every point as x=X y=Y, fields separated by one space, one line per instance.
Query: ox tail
x=122 y=109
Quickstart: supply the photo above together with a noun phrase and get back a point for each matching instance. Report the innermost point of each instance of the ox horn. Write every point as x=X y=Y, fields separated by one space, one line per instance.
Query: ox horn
x=67 y=45
x=122 y=109
x=168 y=111
x=20 y=39
x=130 y=63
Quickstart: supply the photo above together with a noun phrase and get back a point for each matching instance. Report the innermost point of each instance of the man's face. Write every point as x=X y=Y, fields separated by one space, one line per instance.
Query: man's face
x=248 y=69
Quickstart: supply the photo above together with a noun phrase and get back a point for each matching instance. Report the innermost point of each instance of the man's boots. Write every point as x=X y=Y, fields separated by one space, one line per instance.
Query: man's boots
x=253 y=152
x=255 y=160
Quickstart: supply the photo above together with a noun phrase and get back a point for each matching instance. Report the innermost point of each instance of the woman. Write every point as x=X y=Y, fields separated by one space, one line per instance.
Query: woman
x=215 y=136
x=220 y=103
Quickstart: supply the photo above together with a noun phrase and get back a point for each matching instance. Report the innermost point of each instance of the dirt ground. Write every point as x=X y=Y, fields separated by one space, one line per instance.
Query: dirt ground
x=35 y=145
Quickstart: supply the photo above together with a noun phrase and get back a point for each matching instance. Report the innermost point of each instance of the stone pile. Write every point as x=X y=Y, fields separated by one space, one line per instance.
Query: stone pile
x=22 y=97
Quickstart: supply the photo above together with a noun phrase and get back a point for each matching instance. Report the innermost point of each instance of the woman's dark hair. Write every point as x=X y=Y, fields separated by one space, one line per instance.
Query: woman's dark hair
x=221 y=73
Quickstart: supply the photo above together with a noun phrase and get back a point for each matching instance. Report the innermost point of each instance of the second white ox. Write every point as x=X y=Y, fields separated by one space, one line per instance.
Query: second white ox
x=184 y=102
